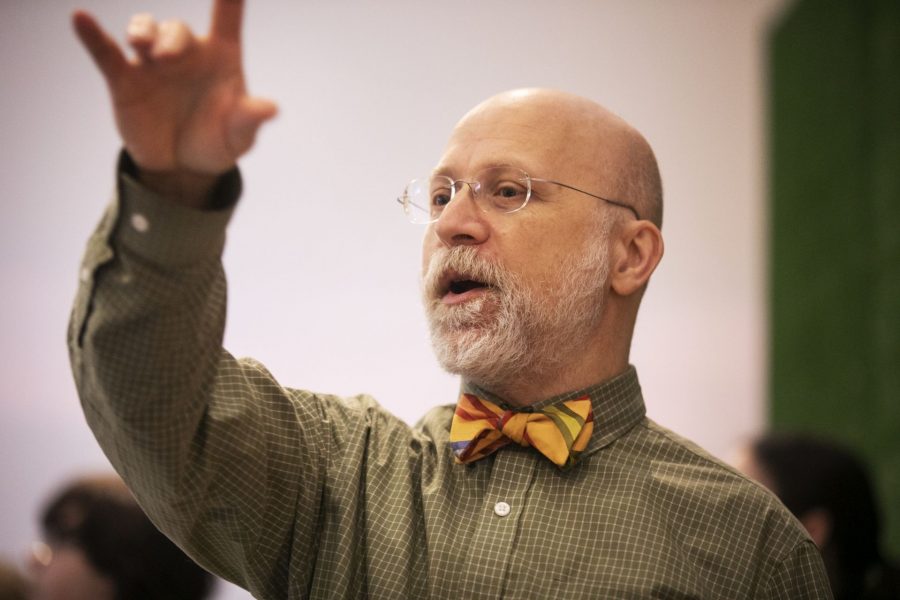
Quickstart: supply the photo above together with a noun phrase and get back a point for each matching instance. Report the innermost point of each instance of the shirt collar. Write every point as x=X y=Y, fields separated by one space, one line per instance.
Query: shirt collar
x=617 y=403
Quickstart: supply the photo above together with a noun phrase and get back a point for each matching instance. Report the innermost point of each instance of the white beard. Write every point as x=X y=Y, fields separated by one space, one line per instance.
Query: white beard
x=512 y=330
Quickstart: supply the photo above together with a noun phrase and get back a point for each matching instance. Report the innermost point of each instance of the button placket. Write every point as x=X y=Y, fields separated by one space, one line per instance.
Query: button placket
x=494 y=535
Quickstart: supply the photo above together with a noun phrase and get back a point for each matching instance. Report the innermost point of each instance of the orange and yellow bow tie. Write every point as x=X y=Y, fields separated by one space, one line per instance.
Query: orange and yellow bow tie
x=559 y=432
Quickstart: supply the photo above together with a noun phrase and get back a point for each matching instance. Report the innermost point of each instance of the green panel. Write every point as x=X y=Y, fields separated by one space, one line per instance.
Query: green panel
x=835 y=247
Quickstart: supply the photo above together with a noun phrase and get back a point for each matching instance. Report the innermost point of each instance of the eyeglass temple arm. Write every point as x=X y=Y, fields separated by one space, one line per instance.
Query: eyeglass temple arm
x=404 y=201
x=613 y=202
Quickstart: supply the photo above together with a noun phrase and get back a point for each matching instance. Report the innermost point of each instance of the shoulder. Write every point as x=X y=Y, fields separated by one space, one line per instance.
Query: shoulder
x=717 y=516
x=676 y=461
x=331 y=420
x=714 y=506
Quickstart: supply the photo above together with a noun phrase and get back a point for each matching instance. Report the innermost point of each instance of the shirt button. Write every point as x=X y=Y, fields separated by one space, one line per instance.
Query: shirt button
x=140 y=222
x=501 y=509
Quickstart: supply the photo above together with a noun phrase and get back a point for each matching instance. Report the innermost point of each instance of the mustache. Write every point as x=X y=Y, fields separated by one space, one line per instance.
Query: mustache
x=460 y=263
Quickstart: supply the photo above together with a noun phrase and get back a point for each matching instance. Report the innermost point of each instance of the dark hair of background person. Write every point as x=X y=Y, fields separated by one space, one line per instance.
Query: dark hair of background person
x=13 y=584
x=100 y=516
x=810 y=473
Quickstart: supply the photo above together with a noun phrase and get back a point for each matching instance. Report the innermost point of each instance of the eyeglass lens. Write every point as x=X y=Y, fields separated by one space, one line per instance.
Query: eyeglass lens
x=499 y=189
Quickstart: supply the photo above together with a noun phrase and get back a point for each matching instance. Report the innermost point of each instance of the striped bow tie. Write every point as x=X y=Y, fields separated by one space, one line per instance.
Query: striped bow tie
x=559 y=432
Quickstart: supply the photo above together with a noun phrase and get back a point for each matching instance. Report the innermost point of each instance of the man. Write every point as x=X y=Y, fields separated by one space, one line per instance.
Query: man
x=543 y=229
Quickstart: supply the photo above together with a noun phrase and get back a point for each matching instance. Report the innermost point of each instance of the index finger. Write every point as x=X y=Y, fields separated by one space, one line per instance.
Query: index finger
x=226 y=19
x=102 y=48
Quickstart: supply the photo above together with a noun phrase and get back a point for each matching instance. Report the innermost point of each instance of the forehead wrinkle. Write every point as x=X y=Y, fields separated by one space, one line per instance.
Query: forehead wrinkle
x=518 y=138
x=464 y=157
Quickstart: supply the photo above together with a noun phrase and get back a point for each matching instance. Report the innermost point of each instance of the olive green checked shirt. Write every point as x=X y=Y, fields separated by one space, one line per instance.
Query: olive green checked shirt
x=295 y=494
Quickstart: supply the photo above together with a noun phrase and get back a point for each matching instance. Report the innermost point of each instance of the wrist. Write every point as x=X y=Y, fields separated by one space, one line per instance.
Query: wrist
x=187 y=188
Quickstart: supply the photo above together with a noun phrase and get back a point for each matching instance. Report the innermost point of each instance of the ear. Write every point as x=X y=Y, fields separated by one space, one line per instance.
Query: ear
x=636 y=252
x=817 y=522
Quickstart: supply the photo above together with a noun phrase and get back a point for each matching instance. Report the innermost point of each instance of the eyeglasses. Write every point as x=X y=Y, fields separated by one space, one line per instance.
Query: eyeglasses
x=495 y=189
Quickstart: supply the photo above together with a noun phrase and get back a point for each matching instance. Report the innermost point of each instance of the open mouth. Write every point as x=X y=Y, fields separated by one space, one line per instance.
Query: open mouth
x=462 y=286
x=456 y=287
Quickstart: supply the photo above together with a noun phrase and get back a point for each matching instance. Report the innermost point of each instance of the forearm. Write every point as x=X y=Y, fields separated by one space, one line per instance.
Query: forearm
x=145 y=335
x=188 y=427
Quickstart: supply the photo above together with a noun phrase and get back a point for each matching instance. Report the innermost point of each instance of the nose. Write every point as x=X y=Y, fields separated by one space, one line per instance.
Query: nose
x=462 y=222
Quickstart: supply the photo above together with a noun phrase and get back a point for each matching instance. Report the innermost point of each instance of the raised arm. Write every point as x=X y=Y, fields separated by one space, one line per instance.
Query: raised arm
x=223 y=459
x=181 y=102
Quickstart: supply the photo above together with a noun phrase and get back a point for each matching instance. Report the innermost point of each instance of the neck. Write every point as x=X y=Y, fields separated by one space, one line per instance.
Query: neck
x=536 y=383
x=601 y=355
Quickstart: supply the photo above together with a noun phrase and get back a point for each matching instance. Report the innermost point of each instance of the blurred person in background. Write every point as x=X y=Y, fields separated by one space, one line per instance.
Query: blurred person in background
x=13 y=585
x=828 y=488
x=99 y=545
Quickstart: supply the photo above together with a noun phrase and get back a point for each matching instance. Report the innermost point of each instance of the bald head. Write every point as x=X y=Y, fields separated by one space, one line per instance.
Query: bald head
x=576 y=136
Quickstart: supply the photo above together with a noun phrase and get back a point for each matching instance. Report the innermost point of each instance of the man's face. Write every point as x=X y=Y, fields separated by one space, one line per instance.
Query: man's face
x=507 y=292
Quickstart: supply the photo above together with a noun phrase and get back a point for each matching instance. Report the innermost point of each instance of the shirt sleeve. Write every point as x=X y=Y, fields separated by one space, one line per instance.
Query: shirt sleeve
x=799 y=576
x=223 y=459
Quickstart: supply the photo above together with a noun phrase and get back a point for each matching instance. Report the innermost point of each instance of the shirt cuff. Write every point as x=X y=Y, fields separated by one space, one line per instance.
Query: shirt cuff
x=165 y=232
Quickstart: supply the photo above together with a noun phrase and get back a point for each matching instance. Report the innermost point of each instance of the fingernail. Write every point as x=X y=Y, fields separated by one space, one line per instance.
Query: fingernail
x=168 y=39
x=141 y=25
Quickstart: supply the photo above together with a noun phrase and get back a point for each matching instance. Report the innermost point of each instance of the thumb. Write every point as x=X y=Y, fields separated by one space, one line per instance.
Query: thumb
x=246 y=119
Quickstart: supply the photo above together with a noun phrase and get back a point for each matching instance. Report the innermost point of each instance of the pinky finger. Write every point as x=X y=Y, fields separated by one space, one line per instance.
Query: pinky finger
x=102 y=48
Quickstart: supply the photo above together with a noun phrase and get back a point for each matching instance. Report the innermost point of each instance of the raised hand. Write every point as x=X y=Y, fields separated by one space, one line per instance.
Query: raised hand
x=180 y=103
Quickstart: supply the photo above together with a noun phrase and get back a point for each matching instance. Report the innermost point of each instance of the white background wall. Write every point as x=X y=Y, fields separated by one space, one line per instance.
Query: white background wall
x=323 y=269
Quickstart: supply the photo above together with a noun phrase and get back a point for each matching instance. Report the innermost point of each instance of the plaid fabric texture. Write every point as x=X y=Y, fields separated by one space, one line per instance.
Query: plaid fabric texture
x=293 y=494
